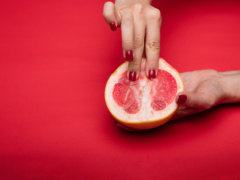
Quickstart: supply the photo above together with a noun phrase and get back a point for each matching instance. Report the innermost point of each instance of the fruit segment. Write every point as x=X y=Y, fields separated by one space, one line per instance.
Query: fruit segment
x=158 y=105
x=129 y=95
x=163 y=91
x=124 y=94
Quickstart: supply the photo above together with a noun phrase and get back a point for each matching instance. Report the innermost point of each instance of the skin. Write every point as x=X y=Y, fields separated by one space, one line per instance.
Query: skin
x=205 y=89
x=140 y=26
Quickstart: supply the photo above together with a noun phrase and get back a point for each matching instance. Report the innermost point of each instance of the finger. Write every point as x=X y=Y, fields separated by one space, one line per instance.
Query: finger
x=118 y=17
x=127 y=28
x=195 y=100
x=153 y=42
x=139 y=33
x=109 y=15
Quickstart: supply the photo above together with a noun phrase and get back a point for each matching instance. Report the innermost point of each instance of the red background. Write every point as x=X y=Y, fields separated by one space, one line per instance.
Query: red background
x=55 y=58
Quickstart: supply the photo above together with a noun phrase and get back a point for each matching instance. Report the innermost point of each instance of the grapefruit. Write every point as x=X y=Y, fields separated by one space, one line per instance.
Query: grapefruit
x=145 y=103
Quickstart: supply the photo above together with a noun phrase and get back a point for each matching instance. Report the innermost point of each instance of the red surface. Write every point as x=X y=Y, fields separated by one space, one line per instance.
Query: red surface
x=55 y=58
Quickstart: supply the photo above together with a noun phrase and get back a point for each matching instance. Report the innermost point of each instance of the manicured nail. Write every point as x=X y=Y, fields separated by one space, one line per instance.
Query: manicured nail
x=113 y=26
x=129 y=55
x=181 y=99
x=132 y=75
x=119 y=25
x=151 y=74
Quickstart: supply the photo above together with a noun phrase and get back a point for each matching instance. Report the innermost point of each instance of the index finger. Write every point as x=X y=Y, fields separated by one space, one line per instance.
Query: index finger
x=153 y=43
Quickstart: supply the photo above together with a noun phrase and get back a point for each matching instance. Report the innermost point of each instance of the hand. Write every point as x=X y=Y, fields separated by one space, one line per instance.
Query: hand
x=203 y=90
x=140 y=26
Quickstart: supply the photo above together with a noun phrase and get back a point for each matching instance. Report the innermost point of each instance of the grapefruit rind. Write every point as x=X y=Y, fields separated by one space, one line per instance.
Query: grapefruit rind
x=143 y=119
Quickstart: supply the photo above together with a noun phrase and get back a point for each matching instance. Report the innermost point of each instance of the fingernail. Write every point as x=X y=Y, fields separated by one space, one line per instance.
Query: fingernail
x=119 y=25
x=151 y=74
x=129 y=55
x=132 y=75
x=181 y=99
x=113 y=26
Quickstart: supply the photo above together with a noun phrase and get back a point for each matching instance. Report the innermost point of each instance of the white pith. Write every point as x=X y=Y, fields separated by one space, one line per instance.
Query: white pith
x=146 y=112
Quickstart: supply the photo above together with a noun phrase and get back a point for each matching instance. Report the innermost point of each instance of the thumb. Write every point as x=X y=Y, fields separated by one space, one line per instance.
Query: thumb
x=193 y=100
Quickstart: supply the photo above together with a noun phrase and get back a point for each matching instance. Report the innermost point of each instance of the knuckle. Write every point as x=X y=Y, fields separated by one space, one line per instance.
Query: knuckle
x=127 y=19
x=138 y=7
x=139 y=41
x=155 y=14
x=127 y=16
x=153 y=45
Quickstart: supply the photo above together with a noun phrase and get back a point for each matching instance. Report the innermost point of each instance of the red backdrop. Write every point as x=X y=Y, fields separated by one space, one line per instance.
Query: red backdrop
x=55 y=58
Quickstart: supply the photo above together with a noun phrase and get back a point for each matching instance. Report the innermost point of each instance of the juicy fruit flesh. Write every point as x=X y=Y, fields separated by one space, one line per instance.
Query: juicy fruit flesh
x=130 y=95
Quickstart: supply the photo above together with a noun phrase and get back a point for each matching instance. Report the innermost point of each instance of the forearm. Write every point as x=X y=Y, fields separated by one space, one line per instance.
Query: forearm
x=230 y=82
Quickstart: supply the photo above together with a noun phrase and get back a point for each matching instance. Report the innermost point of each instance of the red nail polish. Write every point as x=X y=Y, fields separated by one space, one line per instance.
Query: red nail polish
x=119 y=25
x=151 y=74
x=132 y=76
x=181 y=99
x=129 y=55
x=113 y=26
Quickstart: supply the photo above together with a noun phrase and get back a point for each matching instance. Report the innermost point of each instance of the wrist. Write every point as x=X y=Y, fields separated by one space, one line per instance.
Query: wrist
x=230 y=84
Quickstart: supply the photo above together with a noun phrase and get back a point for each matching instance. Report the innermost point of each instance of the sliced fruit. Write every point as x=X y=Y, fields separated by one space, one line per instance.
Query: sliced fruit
x=145 y=103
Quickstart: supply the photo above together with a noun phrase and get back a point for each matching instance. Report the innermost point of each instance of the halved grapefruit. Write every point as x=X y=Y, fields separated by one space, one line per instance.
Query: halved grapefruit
x=145 y=103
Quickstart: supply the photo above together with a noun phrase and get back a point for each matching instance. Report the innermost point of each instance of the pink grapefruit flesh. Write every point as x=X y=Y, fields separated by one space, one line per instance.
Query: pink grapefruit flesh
x=163 y=92
x=145 y=103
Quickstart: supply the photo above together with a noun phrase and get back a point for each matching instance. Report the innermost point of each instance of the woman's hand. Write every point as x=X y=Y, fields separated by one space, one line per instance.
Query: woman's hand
x=140 y=25
x=205 y=89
